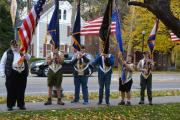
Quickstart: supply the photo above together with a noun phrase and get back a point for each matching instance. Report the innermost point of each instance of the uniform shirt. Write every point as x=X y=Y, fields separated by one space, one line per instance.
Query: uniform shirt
x=101 y=63
x=17 y=57
x=80 y=66
x=141 y=65
x=129 y=72
x=56 y=66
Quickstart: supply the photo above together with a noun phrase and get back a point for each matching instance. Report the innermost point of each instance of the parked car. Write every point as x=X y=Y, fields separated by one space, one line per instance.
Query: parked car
x=40 y=67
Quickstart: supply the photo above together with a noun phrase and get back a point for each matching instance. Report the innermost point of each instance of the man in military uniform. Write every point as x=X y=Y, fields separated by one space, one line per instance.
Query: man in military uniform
x=81 y=72
x=14 y=68
x=145 y=66
x=55 y=61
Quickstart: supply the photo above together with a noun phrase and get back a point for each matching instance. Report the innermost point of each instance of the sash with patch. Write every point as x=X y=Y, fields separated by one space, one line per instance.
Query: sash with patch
x=55 y=67
x=81 y=66
x=19 y=67
x=105 y=68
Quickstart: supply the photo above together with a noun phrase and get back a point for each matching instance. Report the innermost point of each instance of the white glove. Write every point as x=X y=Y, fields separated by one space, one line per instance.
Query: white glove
x=3 y=75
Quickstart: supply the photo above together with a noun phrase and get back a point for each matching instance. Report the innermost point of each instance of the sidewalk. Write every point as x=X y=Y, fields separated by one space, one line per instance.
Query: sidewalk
x=93 y=103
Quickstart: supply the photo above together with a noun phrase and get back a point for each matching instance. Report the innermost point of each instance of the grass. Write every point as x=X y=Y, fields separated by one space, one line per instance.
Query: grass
x=94 y=95
x=137 y=112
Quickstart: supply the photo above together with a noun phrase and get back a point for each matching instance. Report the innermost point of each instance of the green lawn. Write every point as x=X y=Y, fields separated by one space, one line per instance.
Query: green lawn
x=94 y=95
x=143 y=112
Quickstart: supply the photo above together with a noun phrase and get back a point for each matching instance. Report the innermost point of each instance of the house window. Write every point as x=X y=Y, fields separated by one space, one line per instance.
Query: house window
x=62 y=48
x=64 y=15
x=49 y=49
x=60 y=14
x=68 y=30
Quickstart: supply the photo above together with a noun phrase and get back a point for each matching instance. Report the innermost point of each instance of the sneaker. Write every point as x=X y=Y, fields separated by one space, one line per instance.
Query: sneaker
x=10 y=109
x=141 y=102
x=85 y=103
x=74 y=101
x=128 y=103
x=121 y=103
x=150 y=103
x=108 y=104
x=22 y=108
x=99 y=103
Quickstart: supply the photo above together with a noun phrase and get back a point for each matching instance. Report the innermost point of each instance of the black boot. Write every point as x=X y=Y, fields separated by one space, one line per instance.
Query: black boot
x=49 y=102
x=59 y=102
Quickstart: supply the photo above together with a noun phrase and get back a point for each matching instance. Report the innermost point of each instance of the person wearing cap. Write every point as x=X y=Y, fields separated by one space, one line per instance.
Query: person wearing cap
x=54 y=61
x=16 y=74
x=125 y=85
x=145 y=66
x=81 y=73
x=105 y=63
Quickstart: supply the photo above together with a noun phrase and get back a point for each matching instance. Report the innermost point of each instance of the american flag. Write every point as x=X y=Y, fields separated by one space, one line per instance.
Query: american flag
x=174 y=38
x=92 y=27
x=27 y=28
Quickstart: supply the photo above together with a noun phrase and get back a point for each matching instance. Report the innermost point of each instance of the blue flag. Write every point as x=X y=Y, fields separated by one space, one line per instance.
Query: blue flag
x=115 y=18
x=77 y=29
x=53 y=27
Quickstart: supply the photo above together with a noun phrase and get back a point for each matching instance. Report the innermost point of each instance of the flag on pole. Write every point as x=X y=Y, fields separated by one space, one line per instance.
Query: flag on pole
x=53 y=27
x=13 y=11
x=77 y=28
x=105 y=29
x=92 y=27
x=174 y=38
x=29 y=24
x=152 y=36
x=116 y=19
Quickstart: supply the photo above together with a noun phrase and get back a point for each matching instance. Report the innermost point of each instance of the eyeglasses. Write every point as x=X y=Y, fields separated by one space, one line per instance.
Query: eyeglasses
x=15 y=45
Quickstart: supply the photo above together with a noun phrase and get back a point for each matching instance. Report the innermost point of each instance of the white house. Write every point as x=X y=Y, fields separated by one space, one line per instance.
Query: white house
x=40 y=44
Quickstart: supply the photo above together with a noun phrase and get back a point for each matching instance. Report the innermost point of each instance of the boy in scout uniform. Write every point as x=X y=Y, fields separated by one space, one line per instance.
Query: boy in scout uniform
x=145 y=66
x=55 y=61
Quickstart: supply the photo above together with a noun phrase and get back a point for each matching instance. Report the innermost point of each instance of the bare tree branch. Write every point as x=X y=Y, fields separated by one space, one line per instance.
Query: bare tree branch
x=137 y=4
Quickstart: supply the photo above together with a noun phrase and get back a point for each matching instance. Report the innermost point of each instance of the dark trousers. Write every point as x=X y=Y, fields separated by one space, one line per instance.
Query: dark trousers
x=146 y=83
x=81 y=80
x=15 y=85
x=104 y=81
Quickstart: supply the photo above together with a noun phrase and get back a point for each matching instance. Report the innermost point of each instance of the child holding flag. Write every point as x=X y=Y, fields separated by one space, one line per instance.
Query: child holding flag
x=125 y=85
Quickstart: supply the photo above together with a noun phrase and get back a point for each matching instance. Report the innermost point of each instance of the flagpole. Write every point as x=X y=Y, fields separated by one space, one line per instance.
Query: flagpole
x=57 y=29
x=28 y=9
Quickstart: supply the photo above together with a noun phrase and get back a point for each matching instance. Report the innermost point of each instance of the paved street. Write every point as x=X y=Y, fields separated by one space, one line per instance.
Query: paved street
x=37 y=85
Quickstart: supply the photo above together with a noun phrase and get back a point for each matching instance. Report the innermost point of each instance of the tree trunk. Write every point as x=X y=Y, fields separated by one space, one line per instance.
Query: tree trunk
x=161 y=8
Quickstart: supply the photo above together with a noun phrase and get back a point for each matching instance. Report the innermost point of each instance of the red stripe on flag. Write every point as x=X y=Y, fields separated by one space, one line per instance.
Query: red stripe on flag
x=92 y=27
x=174 y=38
x=27 y=30
x=32 y=19
x=23 y=40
